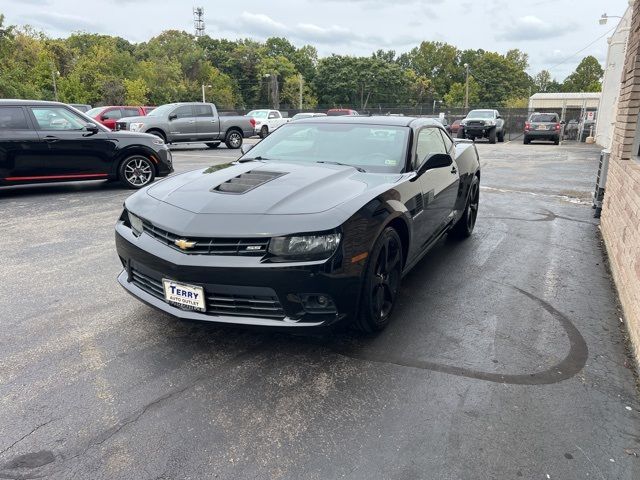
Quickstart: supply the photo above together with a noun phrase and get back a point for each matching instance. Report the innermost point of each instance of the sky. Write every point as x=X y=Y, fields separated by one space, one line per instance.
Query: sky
x=550 y=31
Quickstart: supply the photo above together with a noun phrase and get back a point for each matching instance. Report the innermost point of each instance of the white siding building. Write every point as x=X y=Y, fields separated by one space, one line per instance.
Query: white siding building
x=611 y=82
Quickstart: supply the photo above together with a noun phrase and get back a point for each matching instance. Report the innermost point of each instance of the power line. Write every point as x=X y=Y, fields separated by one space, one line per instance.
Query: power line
x=582 y=49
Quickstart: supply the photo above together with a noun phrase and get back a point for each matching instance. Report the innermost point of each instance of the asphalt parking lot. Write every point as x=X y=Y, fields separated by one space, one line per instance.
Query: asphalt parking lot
x=506 y=357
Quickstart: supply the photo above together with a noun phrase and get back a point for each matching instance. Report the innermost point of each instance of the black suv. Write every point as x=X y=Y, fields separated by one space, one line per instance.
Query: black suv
x=52 y=142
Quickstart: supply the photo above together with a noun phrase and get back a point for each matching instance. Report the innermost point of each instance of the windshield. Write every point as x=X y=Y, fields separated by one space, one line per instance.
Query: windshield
x=480 y=114
x=374 y=148
x=162 y=110
x=544 y=117
x=94 y=112
x=257 y=114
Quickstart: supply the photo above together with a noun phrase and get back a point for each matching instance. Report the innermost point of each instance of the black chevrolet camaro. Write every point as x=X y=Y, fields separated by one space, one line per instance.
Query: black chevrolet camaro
x=316 y=224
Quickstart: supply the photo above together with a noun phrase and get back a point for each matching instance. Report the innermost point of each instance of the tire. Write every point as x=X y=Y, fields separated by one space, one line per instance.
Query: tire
x=158 y=134
x=233 y=140
x=136 y=172
x=526 y=141
x=465 y=224
x=492 y=135
x=501 y=136
x=460 y=133
x=556 y=141
x=264 y=131
x=381 y=283
x=213 y=144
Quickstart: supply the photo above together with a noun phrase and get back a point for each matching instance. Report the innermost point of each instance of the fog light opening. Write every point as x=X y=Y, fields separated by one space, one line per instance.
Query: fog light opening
x=317 y=303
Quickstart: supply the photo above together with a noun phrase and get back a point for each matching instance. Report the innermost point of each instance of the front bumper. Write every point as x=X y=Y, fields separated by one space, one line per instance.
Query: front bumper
x=147 y=261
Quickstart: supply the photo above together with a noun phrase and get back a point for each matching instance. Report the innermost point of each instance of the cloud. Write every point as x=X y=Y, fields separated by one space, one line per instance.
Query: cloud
x=531 y=27
x=263 y=26
x=62 y=22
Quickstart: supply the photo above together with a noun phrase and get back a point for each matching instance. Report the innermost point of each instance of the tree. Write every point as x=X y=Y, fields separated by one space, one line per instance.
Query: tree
x=437 y=61
x=136 y=91
x=291 y=93
x=586 y=78
x=455 y=96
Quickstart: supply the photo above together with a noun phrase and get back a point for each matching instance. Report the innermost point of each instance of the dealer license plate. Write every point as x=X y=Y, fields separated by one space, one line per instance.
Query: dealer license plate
x=187 y=297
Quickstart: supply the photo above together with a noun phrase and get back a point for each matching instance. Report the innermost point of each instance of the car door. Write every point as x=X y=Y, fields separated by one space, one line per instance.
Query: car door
x=208 y=124
x=183 y=124
x=66 y=148
x=274 y=119
x=439 y=185
x=110 y=116
x=18 y=145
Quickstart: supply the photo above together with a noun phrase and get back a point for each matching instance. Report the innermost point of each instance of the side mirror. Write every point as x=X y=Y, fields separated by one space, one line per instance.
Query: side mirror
x=173 y=116
x=499 y=116
x=244 y=149
x=103 y=117
x=91 y=128
x=437 y=160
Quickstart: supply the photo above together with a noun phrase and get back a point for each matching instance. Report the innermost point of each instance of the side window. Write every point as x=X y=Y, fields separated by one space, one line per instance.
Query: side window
x=429 y=142
x=114 y=114
x=448 y=143
x=203 y=110
x=273 y=115
x=130 y=112
x=13 y=118
x=57 y=118
x=185 y=111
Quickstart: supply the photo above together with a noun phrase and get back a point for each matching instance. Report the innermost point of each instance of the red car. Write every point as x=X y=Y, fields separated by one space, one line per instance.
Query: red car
x=455 y=126
x=109 y=115
x=336 y=112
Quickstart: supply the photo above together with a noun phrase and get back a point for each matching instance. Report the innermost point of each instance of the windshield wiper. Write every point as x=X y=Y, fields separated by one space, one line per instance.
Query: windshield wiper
x=342 y=164
x=244 y=160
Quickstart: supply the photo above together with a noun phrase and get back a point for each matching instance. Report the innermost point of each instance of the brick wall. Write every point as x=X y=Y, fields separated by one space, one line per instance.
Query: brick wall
x=620 y=222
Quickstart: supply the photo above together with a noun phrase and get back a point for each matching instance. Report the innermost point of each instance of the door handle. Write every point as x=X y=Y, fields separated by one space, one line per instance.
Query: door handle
x=453 y=170
x=51 y=139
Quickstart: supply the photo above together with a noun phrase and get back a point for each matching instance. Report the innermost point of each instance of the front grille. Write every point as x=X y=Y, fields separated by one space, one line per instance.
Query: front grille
x=475 y=123
x=253 y=247
x=265 y=305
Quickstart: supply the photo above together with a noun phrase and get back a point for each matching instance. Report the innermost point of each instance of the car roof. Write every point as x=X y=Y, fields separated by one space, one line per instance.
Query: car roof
x=374 y=120
x=19 y=102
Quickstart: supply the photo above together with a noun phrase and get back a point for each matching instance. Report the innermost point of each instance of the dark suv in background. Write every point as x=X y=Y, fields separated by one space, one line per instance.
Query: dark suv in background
x=53 y=142
x=543 y=126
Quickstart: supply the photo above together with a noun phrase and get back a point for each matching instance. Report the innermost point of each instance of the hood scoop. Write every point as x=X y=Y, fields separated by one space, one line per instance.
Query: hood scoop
x=247 y=181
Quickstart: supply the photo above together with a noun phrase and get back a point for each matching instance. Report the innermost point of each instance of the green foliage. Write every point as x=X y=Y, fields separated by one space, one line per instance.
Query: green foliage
x=586 y=78
x=171 y=67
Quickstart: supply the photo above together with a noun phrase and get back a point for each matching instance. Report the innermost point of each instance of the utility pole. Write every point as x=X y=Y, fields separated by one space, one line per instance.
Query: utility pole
x=466 y=88
x=198 y=21
x=301 y=85
x=54 y=74
x=203 y=96
x=276 y=91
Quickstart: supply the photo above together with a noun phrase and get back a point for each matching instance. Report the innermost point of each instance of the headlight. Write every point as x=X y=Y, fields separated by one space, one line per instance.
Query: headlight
x=463 y=123
x=157 y=141
x=136 y=126
x=305 y=246
x=136 y=224
x=490 y=122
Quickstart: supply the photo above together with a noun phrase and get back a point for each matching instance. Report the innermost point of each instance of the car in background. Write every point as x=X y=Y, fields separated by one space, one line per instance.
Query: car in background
x=53 y=142
x=300 y=116
x=339 y=112
x=109 y=115
x=442 y=119
x=316 y=224
x=266 y=121
x=191 y=122
x=542 y=126
x=455 y=126
x=482 y=123
x=82 y=107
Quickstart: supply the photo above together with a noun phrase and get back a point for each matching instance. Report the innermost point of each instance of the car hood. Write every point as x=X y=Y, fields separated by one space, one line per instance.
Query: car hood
x=290 y=188
x=476 y=119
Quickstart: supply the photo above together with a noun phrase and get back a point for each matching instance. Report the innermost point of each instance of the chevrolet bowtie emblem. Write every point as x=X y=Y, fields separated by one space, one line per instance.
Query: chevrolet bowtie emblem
x=184 y=244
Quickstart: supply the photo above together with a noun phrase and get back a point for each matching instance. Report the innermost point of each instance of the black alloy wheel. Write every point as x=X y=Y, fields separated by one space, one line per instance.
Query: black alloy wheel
x=381 y=283
x=264 y=131
x=136 y=172
x=233 y=140
x=465 y=225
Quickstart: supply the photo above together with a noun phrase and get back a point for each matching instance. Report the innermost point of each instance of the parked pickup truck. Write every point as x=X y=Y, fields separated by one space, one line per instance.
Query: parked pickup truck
x=109 y=115
x=191 y=123
x=266 y=121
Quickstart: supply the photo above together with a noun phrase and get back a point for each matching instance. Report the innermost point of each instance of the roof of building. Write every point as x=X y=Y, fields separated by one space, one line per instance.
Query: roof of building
x=566 y=96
